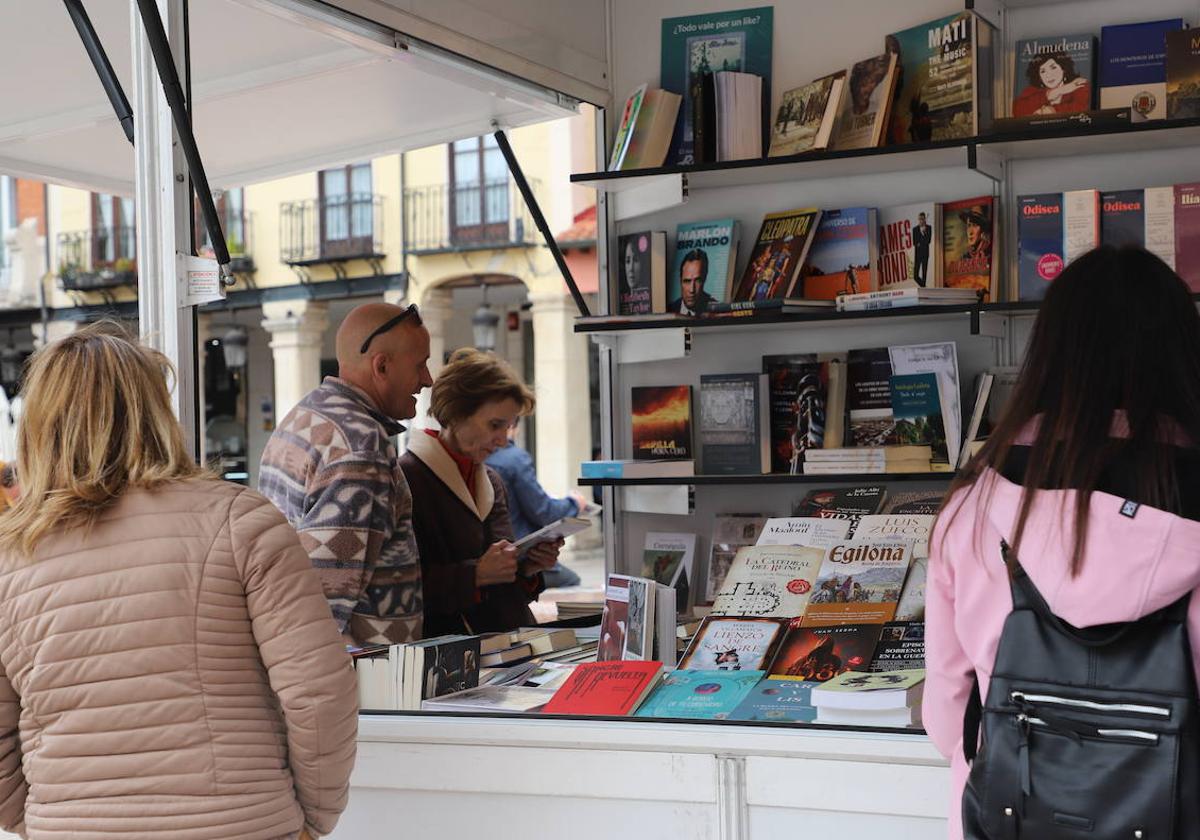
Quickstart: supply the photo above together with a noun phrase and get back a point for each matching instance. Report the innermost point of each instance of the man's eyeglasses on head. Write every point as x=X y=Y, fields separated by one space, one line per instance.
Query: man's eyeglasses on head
x=411 y=310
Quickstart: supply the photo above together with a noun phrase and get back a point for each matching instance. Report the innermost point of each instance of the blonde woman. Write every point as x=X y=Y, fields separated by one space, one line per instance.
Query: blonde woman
x=170 y=665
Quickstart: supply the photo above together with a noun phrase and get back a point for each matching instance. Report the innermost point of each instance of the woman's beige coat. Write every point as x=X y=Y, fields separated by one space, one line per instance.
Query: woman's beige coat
x=174 y=673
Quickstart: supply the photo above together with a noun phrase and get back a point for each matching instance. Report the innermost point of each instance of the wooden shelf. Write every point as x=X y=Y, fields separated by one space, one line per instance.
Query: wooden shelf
x=774 y=478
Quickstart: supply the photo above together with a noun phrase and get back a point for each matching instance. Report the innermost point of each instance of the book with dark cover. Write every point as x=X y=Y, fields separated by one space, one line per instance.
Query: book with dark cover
x=798 y=386
x=702 y=271
x=662 y=422
x=866 y=103
x=819 y=654
x=901 y=647
x=642 y=274
x=1133 y=67
x=732 y=424
x=915 y=504
x=1097 y=118
x=779 y=252
x=869 y=397
x=1054 y=75
x=842 y=257
x=1183 y=74
x=967 y=259
x=699 y=45
x=734 y=644
x=604 y=688
x=1039 y=243
x=851 y=503
x=450 y=666
x=944 y=80
x=1187 y=234
x=1123 y=218
x=778 y=699
x=700 y=695
x=917 y=412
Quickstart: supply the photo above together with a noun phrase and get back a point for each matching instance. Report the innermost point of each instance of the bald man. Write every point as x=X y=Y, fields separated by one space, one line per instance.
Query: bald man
x=331 y=467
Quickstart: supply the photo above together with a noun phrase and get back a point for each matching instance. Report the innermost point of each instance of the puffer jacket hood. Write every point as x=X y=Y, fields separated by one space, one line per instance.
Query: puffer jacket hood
x=173 y=672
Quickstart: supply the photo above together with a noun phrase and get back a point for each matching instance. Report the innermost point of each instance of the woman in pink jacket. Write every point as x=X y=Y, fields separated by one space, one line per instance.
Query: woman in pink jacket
x=1091 y=476
x=168 y=664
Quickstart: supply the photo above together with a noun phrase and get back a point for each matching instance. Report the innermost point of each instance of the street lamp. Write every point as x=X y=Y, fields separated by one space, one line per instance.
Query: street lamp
x=483 y=325
x=233 y=344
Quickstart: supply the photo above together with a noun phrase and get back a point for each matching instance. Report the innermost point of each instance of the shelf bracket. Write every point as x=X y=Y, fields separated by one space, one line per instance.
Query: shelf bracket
x=990 y=10
x=649 y=195
x=647 y=345
x=985 y=161
x=673 y=499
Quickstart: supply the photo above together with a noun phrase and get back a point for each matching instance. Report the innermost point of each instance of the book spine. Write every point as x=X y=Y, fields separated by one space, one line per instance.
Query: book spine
x=882 y=303
x=601 y=469
x=728 y=307
x=1040 y=243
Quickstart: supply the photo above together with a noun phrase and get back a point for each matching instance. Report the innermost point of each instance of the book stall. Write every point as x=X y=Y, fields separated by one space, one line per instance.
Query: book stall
x=816 y=296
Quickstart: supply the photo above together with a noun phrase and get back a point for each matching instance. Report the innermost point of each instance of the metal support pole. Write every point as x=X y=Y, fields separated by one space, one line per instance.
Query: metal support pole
x=161 y=199
x=514 y=166
x=95 y=51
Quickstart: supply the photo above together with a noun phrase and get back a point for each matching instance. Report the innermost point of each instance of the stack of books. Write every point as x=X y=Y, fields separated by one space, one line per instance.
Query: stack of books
x=394 y=677
x=888 y=698
x=905 y=297
x=914 y=458
x=525 y=643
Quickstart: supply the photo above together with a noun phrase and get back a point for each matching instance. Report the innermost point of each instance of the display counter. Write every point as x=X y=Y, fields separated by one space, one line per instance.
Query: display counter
x=452 y=777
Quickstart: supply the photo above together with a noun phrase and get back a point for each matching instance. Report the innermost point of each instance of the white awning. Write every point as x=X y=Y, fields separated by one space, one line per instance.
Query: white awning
x=289 y=86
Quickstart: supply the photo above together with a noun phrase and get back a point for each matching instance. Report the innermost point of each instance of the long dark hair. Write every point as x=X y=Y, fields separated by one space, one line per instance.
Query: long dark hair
x=1118 y=334
x=1034 y=71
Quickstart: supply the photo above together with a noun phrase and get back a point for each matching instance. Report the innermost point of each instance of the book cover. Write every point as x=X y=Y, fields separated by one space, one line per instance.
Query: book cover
x=1123 y=218
x=653 y=130
x=697 y=45
x=916 y=504
x=859 y=583
x=1183 y=74
x=967 y=245
x=450 y=666
x=1040 y=240
x=604 y=688
x=770 y=581
x=809 y=530
x=866 y=104
x=798 y=388
x=901 y=647
x=734 y=644
x=1187 y=234
x=779 y=251
x=729 y=533
x=1133 y=67
x=701 y=695
x=615 y=619
x=802 y=111
x=1054 y=75
x=733 y=428
x=629 y=115
x=912 y=598
x=941 y=359
x=908 y=256
x=662 y=422
x=913 y=527
x=917 y=412
x=1160 y=222
x=778 y=699
x=1081 y=223
x=842 y=257
x=491 y=698
x=819 y=654
x=639 y=619
x=670 y=559
x=641 y=273
x=705 y=254
x=935 y=91
x=878 y=690
x=848 y=503
x=869 y=397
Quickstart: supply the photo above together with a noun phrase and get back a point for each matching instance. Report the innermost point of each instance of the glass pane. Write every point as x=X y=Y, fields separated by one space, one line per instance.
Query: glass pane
x=333 y=182
x=360 y=215
x=235 y=232
x=496 y=202
x=103 y=248
x=336 y=222
x=360 y=179
x=494 y=167
x=466 y=168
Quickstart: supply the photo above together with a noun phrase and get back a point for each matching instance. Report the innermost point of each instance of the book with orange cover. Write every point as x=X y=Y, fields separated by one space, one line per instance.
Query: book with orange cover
x=605 y=688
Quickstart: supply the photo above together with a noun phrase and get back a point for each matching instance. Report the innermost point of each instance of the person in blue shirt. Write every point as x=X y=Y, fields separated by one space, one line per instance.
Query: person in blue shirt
x=529 y=506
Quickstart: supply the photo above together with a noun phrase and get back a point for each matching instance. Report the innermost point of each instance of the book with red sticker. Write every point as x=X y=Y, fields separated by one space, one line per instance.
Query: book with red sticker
x=605 y=688
x=769 y=581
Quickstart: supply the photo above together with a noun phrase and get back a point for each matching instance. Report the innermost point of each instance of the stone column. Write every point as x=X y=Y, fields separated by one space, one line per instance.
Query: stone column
x=436 y=308
x=297 y=329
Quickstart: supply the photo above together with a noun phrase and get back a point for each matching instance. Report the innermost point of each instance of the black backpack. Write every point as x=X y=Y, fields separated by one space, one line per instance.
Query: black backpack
x=1087 y=734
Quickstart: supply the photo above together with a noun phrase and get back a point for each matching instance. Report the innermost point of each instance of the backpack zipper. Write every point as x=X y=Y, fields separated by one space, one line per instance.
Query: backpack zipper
x=1136 y=734
x=1130 y=708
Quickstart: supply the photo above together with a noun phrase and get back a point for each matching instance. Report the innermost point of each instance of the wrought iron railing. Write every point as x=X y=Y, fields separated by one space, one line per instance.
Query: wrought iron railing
x=467 y=217
x=99 y=258
x=329 y=229
x=239 y=237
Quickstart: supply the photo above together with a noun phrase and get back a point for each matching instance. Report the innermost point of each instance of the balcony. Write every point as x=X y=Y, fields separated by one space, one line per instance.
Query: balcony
x=443 y=218
x=331 y=231
x=239 y=237
x=97 y=260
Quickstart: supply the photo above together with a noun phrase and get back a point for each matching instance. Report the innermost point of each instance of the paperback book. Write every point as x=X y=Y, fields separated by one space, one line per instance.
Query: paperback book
x=798 y=387
x=806 y=116
x=917 y=411
x=729 y=533
x=1187 y=234
x=734 y=428
x=1039 y=243
x=908 y=256
x=811 y=531
x=1145 y=218
x=901 y=647
x=914 y=504
x=734 y=644
x=859 y=583
x=1133 y=67
x=940 y=359
x=615 y=620
x=778 y=699
x=843 y=254
x=654 y=126
x=846 y=503
x=913 y=527
x=1183 y=74
x=642 y=273
x=912 y=598
x=779 y=252
x=701 y=695
x=1054 y=75
x=819 y=654
x=866 y=104
x=605 y=688
x=702 y=273
x=869 y=397
x=769 y=581
x=670 y=559
x=967 y=260
x=662 y=422
x=639 y=619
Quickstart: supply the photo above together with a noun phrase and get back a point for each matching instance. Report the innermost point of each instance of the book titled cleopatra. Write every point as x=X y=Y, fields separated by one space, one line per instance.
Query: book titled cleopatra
x=859 y=582
x=779 y=252
x=967 y=259
x=734 y=644
x=605 y=688
x=702 y=695
x=662 y=422
x=821 y=653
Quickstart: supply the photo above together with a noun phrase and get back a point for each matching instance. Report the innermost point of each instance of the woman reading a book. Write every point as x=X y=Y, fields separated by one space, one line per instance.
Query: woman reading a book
x=473 y=579
x=1090 y=482
x=168 y=663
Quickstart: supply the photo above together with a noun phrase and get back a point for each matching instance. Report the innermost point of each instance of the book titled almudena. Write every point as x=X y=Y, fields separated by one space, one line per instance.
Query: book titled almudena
x=859 y=582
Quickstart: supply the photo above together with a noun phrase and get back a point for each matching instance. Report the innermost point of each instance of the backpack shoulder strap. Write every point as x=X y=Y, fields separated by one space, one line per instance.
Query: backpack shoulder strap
x=972 y=717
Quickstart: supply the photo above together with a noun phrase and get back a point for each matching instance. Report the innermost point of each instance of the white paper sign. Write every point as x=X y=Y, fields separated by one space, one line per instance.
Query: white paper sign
x=201 y=280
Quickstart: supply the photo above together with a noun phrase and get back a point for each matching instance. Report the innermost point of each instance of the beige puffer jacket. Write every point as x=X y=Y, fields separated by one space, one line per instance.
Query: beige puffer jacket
x=175 y=673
